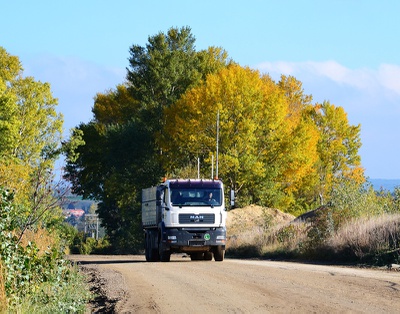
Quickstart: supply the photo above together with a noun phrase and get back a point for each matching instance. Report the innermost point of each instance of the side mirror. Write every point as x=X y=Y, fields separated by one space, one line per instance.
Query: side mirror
x=232 y=198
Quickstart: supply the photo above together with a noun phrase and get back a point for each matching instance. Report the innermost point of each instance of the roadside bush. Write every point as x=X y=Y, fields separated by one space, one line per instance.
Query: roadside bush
x=67 y=294
x=82 y=244
x=68 y=233
x=35 y=275
x=317 y=230
x=350 y=200
x=284 y=240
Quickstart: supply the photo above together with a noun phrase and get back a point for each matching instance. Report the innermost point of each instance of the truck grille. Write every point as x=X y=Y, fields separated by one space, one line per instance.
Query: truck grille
x=196 y=219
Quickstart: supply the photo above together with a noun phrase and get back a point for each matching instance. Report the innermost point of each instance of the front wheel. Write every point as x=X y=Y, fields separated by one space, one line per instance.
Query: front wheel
x=165 y=256
x=219 y=253
x=208 y=256
x=196 y=256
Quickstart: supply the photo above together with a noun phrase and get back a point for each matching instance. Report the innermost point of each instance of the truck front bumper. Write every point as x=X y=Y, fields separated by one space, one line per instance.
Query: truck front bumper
x=195 y=239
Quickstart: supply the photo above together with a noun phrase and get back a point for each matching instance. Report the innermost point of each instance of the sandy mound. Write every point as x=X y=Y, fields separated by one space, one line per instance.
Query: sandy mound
x=243 y=224
x=255 y=216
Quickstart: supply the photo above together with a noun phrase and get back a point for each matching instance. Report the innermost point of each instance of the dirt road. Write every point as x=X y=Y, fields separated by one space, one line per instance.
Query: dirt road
x=238 y=286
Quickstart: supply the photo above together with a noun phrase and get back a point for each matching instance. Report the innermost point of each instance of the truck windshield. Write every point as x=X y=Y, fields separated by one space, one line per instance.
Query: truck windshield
x=196 y=197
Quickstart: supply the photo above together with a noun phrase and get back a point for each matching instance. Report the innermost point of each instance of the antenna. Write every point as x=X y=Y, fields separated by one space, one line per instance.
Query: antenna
x=198 y=167
x=212 y=166
x=216 y=167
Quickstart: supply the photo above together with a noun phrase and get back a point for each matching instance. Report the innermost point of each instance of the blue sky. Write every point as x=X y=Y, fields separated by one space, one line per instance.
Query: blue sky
x=343 y=51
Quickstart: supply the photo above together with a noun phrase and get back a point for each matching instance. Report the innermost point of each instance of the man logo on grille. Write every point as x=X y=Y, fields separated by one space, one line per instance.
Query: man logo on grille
x=196 y=218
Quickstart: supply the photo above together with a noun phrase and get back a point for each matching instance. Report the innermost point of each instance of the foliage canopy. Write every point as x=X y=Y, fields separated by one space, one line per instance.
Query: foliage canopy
x=276 y=148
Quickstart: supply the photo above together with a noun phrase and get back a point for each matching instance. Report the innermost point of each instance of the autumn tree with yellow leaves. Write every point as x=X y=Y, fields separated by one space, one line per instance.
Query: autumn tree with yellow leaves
x=267 y=145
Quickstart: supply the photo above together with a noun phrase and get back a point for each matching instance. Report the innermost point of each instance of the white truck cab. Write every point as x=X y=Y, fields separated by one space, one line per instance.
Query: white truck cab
x=184 y=216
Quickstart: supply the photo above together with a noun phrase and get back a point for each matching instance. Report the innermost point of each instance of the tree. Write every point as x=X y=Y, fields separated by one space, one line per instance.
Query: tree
x=165 y=68
x=115 y=107
x=263 y=148
x=294 y=93
x=337 y=148
x=111 y=164
x=30 y=136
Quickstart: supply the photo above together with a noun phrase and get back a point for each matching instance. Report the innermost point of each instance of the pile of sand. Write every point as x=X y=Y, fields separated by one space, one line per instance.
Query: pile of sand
x=247 y=222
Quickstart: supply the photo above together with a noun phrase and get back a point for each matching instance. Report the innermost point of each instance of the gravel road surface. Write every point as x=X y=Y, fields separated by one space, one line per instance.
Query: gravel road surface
x=127 y=284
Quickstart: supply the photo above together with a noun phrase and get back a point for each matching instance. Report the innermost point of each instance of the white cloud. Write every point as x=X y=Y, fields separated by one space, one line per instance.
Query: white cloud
x=370 y=96
x=389 y=77
x=386 y=78
x=73 y=74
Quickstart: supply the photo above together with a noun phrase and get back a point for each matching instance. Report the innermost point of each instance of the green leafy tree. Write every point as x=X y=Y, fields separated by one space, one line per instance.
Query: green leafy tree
x=337 y=148
x=112 y=166
x=165 y=68
x=30 y=137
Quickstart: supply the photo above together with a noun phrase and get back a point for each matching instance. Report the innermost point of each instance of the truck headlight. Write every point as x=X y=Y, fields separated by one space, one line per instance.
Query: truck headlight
x=171 y=239
x=220 y=239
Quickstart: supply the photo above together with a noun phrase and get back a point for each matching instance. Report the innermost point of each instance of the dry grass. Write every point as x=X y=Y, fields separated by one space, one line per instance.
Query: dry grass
x=368 y=236
x=249 y=226
x=42 y=238
x=285 y=237
x=255 y=231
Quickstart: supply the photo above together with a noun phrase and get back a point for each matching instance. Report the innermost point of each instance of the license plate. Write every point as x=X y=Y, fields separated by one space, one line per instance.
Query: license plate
x=197 y=243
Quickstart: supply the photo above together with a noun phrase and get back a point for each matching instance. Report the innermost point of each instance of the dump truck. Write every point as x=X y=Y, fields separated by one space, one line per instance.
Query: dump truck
x=184 y=216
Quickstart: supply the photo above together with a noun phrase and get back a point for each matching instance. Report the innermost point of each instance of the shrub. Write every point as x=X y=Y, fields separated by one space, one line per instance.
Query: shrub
x=351 y=200
x=35 y=274
x=68 y=294
x=284 y=240
x=82 y=244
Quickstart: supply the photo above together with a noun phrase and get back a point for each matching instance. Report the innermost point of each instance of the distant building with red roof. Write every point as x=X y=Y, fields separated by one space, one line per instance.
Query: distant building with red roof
x=78 y=213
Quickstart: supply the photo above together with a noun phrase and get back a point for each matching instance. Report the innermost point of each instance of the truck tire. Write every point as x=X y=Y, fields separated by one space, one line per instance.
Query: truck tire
x=165 y=256
x=208 y=256
x=150 y=251
x=196 y=256
x=146 y=248
x=218 y=253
